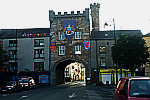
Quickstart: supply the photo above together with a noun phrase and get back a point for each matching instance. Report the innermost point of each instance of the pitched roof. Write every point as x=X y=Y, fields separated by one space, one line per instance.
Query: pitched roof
x=11 y=33
x=110 y=34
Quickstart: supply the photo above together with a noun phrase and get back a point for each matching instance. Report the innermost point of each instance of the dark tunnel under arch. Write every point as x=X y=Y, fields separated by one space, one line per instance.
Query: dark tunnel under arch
x=60 y=67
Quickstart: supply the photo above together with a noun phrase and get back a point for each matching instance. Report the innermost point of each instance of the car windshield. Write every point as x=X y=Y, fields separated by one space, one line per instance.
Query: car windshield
x=139 y=88
x=24 y=81
x=10 y=84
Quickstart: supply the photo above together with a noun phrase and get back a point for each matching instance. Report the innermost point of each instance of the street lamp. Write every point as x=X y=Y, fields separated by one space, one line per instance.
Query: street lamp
x=97 y=62
x=16 y=59
x=115 y=43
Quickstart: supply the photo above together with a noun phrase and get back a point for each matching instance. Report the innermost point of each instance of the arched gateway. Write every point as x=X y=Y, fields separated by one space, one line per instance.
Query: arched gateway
x=59 y=68
x=70 y=41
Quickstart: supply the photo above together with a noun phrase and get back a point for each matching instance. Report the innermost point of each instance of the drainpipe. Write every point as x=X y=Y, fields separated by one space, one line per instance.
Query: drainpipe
x=97 y=63
x=50 y=54
x=16 y=58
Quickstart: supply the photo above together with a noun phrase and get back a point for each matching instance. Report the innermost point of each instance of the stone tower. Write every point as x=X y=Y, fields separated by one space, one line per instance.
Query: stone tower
x=95 y=16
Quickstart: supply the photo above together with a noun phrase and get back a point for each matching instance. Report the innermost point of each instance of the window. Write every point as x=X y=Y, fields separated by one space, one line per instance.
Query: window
x=61 y=36
x=78 y=49
x=103 y=61
x=12 y=43
x=39 y=42
x=72 y=67
x=77 y=35
x=66 y=72
x=107 y=43
x=139 y=87
x=61 y=50
x=12 y=66
x=38 y=66
x=125 y=88
x=102 y=49
x=39 y=53
x=13 y=54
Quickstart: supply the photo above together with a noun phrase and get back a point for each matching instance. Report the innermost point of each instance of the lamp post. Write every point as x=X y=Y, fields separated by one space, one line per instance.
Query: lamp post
x=16 y=58
x=97 y=62
x=115 y=43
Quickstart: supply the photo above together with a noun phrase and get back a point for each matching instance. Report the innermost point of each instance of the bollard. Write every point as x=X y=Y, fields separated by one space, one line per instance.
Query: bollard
x=107 y=83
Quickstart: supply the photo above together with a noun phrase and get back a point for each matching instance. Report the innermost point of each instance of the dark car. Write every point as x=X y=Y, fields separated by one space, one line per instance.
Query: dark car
x=99 y=83
x=27 y=83
x=12 y=86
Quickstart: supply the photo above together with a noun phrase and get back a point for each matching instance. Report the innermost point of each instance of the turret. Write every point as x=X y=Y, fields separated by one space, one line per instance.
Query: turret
x=95 y=16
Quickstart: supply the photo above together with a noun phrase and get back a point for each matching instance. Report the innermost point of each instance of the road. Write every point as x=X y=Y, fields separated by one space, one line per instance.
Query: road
x=70 y=91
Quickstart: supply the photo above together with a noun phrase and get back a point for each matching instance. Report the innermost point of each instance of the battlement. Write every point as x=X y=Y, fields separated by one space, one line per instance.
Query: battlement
x=95 y=5
x=52 y=14
x=72 y=13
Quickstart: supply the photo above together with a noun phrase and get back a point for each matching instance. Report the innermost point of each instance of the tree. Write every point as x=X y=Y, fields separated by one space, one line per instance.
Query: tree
x=130 y=51
x=3 y=57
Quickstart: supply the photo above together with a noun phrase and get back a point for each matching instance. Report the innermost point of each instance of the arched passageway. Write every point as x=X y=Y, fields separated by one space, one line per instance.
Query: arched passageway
x=60 y=68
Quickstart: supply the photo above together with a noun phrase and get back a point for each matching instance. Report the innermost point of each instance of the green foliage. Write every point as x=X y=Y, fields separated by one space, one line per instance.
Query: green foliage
x=3 y=57
x=130 y=51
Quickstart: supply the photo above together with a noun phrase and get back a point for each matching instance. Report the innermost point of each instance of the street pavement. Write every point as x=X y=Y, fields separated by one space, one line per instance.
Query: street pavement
x=97 y=92
x=67 y=91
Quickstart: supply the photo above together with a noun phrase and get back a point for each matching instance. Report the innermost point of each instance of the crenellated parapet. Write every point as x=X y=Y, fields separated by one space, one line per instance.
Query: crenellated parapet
x=53 y=15
x=95 y=5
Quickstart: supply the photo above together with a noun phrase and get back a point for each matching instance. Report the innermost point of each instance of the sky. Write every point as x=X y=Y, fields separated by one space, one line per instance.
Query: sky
x=127 y=14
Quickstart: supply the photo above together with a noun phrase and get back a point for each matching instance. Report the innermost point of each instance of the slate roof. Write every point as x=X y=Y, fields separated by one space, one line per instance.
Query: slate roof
x=147 y=35
x=110 y=34
x=11 y=33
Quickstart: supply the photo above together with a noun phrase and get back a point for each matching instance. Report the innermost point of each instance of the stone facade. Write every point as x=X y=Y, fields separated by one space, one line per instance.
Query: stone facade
x=147 y=65
x=95 y=16
x=83 y=21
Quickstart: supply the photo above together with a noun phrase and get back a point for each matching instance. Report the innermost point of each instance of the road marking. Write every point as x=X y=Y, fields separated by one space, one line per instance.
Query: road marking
x=73 y=95
x=26 y=96
x=93 y=95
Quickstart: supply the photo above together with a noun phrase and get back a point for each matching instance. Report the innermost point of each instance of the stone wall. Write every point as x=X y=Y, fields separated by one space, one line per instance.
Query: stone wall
x=82 y=25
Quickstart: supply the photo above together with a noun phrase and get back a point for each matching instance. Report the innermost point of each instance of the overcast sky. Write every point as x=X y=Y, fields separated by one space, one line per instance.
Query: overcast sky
x=128 y=14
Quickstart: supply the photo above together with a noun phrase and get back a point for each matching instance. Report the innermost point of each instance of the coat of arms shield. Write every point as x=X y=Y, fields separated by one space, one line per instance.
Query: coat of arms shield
x=69 y=27
x=52 y=46
x=87 y=45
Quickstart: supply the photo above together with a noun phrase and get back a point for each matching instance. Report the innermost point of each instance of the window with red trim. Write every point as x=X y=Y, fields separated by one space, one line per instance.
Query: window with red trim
x=13 y=43
x=38 y=66
x=13 y=54
x=12 y=66
x=39 y=42
x=39 y=53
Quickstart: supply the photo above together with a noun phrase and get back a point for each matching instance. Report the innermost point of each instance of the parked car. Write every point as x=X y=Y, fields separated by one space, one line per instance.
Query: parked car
x=99 y=83
x=27 y=83
x=12 y=86
x=133 y=88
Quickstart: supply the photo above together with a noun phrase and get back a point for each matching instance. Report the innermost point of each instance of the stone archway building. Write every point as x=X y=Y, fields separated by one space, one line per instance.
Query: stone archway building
x=70 y=49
